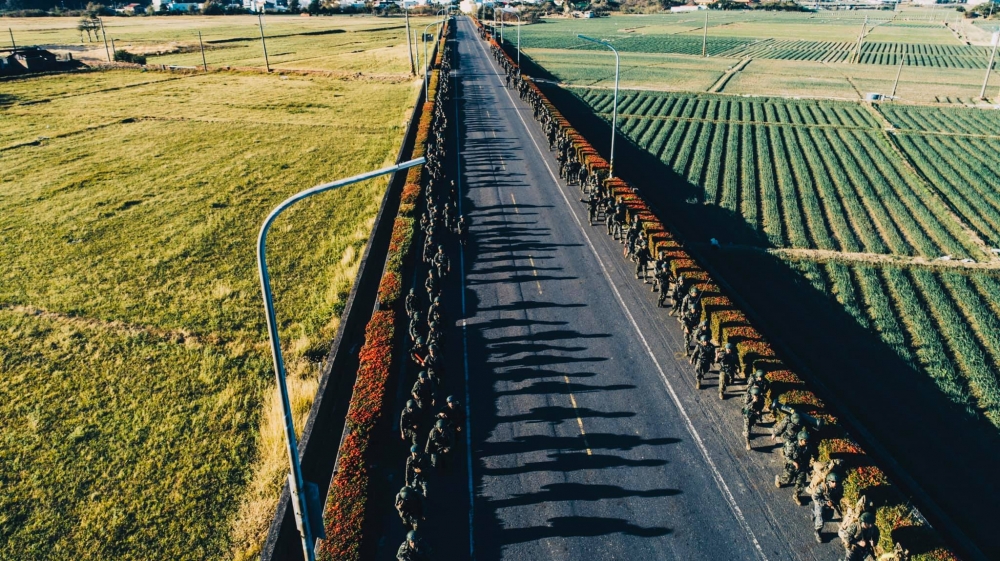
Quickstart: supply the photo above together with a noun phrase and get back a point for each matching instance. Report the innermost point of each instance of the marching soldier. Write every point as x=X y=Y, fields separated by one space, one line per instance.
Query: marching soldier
x=415 y=325
x=729 y=364
x=825 y=496
x=409 y=422
x=441 y=263
x=411 y=303
x=641 y=260
x=687 y=322
x=453 y=414
x=433 y=360
x=439 y=444
x=410 y=506
x=412 y=548
x=416 y=470
x=788 y=427
x=753 y=406
x=463 y=230
x=797 y=453
x=431 y=285
x=860 y=538
x=661 y=283
x=677 y=295
x=434 y=311
x=418 y=352
x=704 y=355
x=423 y=392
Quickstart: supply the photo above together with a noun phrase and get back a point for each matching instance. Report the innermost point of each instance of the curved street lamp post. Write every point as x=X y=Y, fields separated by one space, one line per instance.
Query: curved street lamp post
x=614 y=113
x=427 y=66
x=304 y=494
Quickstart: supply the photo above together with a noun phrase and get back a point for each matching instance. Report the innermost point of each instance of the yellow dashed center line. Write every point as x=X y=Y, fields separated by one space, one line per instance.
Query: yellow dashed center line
x=579 y=421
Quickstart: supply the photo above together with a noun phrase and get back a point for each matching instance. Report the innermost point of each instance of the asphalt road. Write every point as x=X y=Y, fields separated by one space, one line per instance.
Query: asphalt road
x=588 y=438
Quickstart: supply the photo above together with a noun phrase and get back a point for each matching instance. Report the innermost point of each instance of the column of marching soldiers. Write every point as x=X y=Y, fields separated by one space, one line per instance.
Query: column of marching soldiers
x=430 y=448
x=820 y=480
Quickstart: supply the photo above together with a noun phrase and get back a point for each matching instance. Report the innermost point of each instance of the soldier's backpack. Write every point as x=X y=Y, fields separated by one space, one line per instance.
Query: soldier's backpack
x=819 y=472
x=850 y=517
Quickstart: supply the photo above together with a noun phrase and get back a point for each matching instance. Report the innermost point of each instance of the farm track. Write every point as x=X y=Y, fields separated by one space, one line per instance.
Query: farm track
x=835 y=256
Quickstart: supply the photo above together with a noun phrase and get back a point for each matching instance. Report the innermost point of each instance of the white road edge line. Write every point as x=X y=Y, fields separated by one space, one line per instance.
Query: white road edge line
x=719 y=481
x=465 y=335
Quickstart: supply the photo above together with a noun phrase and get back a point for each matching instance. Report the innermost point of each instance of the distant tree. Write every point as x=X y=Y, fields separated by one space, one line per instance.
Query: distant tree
x=294 y=6
x=212 y=8
x=314 y=7
x=88 y=25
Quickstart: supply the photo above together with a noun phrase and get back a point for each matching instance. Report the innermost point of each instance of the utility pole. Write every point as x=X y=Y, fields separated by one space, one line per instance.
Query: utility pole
x=12 y=43
x=902 y=59
x=204 y=63
x=113 y=48
x=989 y=67
x=260 y=21
x=409 y=45
x=106 y=48
x=704 y=36
x=861 y=38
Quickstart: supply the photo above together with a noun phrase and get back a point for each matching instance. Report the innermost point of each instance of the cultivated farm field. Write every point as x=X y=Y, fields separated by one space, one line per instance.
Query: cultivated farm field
x=821 y=183
x=786 y=54
x=137 y=394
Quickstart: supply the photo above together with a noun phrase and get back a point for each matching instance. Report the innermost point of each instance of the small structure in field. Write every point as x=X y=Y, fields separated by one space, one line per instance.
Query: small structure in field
x=28 y=60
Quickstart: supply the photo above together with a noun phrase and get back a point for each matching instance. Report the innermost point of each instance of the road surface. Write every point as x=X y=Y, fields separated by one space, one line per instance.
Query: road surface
x=588 y=438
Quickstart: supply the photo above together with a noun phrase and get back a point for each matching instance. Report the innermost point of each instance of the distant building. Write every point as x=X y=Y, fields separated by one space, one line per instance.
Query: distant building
x=130 y=9
x=677 y=9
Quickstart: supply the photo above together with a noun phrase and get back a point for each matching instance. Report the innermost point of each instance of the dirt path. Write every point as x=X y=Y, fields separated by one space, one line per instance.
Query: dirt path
x=826 y=255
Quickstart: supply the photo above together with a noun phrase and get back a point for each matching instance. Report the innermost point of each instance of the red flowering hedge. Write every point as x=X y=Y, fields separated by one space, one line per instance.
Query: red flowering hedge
x=729 y=323
x=347 y=500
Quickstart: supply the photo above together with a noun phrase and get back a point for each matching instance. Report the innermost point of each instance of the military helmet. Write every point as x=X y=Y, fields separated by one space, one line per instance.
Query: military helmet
x=440 y=248
x=440 y=424
x=803 y=435
x=437 y=299
x=703 y=324
x=410 y=404
x=867 y=518
x=414 y=449
x=405 y=492
x=703 y=338
x=796 y=418
x=759 y=374
x=833 y=477
x=433 y=348
x=412 y=536
x=754 y=390
x=416 y=315
x=449 y=399
x=411 y=290
x=694 y=290
x=422 y=375
x=420 y=340
x=729 y=346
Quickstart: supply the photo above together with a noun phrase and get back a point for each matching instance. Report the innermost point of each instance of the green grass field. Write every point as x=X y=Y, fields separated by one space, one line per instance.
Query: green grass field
x=137 y=396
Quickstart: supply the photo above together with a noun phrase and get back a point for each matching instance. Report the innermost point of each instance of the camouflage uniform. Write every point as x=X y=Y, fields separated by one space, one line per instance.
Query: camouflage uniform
x=410 y=506
x=796 y=466
x=753 y=406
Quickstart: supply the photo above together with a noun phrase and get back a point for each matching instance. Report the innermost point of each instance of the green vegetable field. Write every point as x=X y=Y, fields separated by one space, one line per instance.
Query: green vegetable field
x=878 y=219
x=835 y=182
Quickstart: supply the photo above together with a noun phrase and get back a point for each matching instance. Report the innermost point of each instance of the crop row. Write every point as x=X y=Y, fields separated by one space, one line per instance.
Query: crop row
x=872 y=52
x=729 y=324
x=966 y=176
x=936 y=119
x=945 y=324
x=725 y=108
x=805 y=187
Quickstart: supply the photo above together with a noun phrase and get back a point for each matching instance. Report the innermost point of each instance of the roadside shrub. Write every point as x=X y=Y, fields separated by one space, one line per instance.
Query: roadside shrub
x=121 y=55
